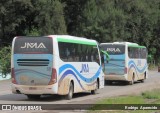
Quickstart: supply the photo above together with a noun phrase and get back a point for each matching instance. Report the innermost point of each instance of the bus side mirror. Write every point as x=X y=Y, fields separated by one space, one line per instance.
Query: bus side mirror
x=106 y=56
x=106 y=59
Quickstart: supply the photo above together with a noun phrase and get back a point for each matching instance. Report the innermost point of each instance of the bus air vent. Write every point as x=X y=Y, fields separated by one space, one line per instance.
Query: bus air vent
x=33 y=62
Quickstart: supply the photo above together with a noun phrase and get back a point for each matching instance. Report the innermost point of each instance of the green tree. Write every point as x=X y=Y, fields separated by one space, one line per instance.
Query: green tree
x=30 y=17
x=12 y=14
x=73 y=11
x=50 y=17
x=5 y=62
x=103 y=21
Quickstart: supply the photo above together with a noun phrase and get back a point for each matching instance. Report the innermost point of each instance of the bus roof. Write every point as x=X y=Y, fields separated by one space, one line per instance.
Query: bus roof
x=73 y=39
x=130 y=44
x=68 y=38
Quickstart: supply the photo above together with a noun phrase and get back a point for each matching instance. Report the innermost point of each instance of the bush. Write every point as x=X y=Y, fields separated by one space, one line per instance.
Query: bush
x=5 y=60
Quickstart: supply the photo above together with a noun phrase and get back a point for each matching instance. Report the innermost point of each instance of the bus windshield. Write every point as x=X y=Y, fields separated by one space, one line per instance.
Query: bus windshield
x=29 y=45
x=113 y=49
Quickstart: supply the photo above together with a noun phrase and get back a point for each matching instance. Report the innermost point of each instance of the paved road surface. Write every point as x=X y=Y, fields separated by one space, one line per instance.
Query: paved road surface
x=6 y=97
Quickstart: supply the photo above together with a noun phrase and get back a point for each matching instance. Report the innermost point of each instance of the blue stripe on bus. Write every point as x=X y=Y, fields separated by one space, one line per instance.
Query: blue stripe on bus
x=112 y=59
x=18 y=71
x=117 y=57
x=116 y=65
x=132 y=64
x=70 y=72
x=88 y=80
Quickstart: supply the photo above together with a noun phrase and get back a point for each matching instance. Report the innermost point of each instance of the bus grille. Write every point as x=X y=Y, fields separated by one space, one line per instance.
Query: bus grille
x=33 y=62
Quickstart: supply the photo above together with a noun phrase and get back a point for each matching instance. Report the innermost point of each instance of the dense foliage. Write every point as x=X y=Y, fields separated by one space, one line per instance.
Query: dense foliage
x=5 y=62
x=103 y=20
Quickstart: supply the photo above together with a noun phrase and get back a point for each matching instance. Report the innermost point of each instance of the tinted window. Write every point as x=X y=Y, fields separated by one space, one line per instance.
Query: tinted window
x=73 y=52
x=134 y=52
x=113 y=49
x=33 y=45
x=143 y=53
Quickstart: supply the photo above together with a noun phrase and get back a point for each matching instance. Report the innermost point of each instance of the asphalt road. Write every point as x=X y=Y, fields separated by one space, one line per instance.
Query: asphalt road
x=116 y=89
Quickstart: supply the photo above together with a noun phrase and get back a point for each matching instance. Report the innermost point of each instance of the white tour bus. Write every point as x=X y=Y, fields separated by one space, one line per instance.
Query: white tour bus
x=55 y=64
x=127 y=62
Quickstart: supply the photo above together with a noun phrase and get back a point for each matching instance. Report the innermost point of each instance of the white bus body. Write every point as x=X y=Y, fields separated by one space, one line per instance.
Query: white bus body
x=55 y=64
x=128 y=62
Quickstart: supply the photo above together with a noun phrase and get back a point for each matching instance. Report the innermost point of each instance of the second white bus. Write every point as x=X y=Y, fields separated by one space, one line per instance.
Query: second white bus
x=127 y=62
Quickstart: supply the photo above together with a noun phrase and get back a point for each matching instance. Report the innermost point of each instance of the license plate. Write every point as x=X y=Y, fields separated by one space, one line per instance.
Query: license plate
x=32 y=88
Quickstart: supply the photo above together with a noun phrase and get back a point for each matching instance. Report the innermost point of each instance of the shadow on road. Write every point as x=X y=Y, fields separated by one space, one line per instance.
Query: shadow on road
x=119 y=83
x=44 y=98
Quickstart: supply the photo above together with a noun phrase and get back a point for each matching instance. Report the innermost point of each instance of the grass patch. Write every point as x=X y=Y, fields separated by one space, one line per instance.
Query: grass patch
x=123 y=100
x=148 y=97
x=155 y=94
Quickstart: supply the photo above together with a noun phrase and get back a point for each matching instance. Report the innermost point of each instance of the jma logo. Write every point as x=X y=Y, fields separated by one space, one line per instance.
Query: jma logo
x=85 y=68
x=33 y=45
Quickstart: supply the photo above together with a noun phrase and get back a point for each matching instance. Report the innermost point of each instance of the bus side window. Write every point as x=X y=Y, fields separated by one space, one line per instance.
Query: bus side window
x=92 y=57
x=67 y=53
x=129 y=52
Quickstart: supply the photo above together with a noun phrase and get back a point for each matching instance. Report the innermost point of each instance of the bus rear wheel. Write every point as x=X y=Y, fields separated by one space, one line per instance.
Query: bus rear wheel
x=132 y=81
x=70 y=93
x=95 y=90
x=144 y=78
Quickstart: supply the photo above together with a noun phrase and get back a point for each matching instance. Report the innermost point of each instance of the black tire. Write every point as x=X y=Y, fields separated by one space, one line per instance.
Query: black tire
x=70 y=93
x=35 y=97
x=95 y=90
x=144 y=78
